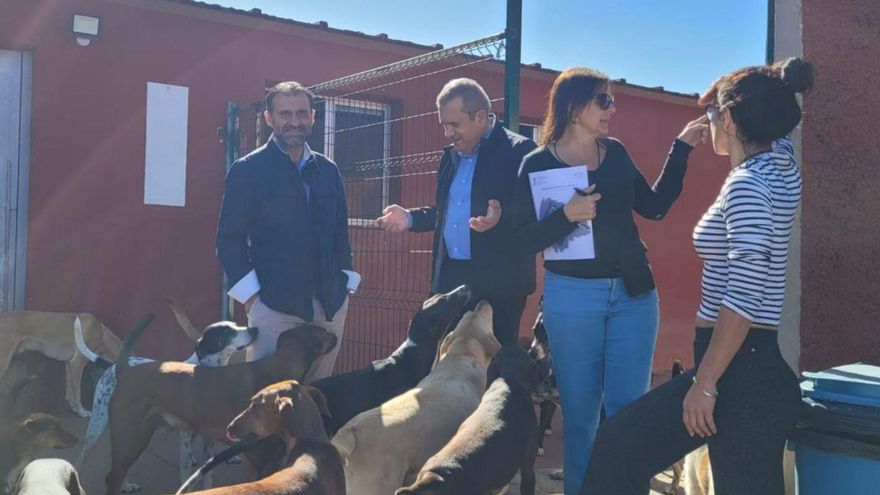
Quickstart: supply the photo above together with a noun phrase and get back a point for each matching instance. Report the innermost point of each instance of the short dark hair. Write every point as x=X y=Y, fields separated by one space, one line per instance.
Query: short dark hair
x=473 y=96
x=762 y=99
x=288 y=88
x=572 y=90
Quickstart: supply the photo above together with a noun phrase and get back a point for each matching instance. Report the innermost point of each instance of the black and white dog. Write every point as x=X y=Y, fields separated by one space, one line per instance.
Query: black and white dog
x=218 y=343
x=349 y=394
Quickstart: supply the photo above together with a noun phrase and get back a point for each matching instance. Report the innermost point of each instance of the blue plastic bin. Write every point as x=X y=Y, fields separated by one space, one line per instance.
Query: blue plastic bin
x=837 y=443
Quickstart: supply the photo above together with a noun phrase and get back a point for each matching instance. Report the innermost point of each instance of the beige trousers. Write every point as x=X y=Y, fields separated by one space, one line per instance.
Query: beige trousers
x=272 y=323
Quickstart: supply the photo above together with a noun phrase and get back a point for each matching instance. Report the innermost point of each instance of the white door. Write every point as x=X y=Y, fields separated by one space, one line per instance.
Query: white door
x=15 y=84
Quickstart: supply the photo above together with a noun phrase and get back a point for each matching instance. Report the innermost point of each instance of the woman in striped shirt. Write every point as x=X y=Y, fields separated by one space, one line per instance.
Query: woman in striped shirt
x=742 y=398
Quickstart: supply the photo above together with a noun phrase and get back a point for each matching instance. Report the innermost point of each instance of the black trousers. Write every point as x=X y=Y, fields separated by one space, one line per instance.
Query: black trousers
x=507 y=308
x=756 y=410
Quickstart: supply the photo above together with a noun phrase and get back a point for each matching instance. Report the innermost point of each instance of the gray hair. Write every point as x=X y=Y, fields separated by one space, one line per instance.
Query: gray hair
x=288 y=88
x=473 y=96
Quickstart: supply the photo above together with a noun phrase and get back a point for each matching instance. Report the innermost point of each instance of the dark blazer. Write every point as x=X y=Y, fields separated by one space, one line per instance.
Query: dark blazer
x=505 y=270
x=265 y=225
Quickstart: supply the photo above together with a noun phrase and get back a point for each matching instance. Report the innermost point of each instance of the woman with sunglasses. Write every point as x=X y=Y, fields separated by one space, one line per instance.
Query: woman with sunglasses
x=601 y=314
x=743 y=398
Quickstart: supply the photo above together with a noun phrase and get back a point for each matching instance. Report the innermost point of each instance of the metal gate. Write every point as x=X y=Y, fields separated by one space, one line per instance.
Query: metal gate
x=380 y=127
x=15 y=71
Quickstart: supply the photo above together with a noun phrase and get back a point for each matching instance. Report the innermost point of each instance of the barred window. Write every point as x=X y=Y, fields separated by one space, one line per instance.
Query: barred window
x=357 y=136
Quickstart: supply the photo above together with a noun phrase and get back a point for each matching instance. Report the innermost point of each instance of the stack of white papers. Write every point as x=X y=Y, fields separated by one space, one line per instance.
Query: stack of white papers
x=551 y=190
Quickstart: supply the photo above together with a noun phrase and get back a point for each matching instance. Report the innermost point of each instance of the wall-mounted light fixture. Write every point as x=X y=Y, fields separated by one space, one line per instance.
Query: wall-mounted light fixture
x=85 y=27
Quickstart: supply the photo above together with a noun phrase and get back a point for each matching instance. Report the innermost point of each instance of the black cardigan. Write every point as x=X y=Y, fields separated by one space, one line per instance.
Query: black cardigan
x=619 y=250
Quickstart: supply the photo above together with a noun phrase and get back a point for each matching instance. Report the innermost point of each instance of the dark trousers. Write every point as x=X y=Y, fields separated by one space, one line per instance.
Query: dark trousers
x=507 y=309
x=756 y=410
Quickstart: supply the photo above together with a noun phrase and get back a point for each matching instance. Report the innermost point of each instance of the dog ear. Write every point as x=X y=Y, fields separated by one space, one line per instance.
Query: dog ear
x=285 y=412
x=428 y=483
x=35 y=425
x=319 y=398
x=73 y=485
x=442 y=348
x=491 y=345
x=495 y=366
x=326 y=342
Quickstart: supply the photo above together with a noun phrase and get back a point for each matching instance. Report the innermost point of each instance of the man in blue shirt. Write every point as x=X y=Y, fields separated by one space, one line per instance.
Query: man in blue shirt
x=282 y=237
x=472 y=236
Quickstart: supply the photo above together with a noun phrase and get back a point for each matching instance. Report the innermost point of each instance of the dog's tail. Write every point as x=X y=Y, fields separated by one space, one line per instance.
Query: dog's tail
x=130 y=340
x=214 y=462
x=344 y=440
x=84 y=348
x=183 y=320
x=677 y=368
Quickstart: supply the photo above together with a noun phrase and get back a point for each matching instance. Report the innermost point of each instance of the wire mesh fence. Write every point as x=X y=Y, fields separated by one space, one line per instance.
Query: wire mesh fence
x=380 y=127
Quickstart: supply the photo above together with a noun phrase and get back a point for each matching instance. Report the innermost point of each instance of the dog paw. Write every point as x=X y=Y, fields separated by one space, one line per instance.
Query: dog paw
x=540 y=452
x=80 y=411
x=548 y=432
x=130 y=487
x=234 y=460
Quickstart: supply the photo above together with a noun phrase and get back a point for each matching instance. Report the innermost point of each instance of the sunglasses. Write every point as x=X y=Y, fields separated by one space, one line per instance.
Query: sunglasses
x=713 y=113
x=604 y=100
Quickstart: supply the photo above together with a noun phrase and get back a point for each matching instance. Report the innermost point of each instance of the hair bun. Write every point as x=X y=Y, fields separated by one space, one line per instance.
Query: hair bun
x=797 y=74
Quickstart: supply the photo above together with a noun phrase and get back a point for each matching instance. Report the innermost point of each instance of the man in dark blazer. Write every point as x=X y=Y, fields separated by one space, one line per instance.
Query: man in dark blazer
x=473 y=238
x=282 y=236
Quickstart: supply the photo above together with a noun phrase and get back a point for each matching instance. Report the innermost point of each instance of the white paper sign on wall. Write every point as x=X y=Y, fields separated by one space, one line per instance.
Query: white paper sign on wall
x=165 y=161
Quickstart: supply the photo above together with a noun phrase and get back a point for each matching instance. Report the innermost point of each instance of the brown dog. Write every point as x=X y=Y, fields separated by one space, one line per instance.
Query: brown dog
x=698 y=473
x=24 y=438
x=293 y=412
x=196 y=398
x=383 y=445
x=51 y=334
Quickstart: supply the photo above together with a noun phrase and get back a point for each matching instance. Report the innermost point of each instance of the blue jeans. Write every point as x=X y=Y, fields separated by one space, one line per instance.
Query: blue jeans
x=602 y=342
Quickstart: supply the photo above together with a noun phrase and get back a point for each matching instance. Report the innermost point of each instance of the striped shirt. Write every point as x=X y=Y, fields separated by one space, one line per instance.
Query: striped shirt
x=743 y=237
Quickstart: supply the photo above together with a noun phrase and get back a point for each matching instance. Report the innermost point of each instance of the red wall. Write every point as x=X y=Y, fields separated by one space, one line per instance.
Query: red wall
x=841 y=234
x=92 y=243
x=94 y=246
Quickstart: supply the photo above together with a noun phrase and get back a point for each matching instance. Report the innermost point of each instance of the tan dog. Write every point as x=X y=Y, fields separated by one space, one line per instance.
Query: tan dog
x=293 y=412
x=25 y=438
x=383 y=445
x=49 y=477
x=51 y=334
x=196 y=398
x=698 y=473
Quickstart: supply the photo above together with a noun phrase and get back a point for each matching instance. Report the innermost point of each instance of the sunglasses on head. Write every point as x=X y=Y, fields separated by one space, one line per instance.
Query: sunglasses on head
x=604 y=100
x=713 y=112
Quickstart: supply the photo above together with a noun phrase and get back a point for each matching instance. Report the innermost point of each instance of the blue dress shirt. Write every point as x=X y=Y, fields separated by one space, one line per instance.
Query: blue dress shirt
x=456 y=231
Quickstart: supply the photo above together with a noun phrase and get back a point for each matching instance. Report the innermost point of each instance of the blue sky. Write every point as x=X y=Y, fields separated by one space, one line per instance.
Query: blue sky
x=682 y=45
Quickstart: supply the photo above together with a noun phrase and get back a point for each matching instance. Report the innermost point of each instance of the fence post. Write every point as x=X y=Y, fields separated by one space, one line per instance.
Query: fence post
x=231 y=141
x=512 y=56
x=770 y=54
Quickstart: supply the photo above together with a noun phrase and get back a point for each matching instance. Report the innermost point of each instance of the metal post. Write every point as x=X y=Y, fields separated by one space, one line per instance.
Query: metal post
x=770 y=55
x=512 y=57
x=231 y=141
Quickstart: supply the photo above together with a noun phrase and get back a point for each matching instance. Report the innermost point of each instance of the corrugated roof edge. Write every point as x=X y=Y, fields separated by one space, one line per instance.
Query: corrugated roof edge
x=384 y=38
